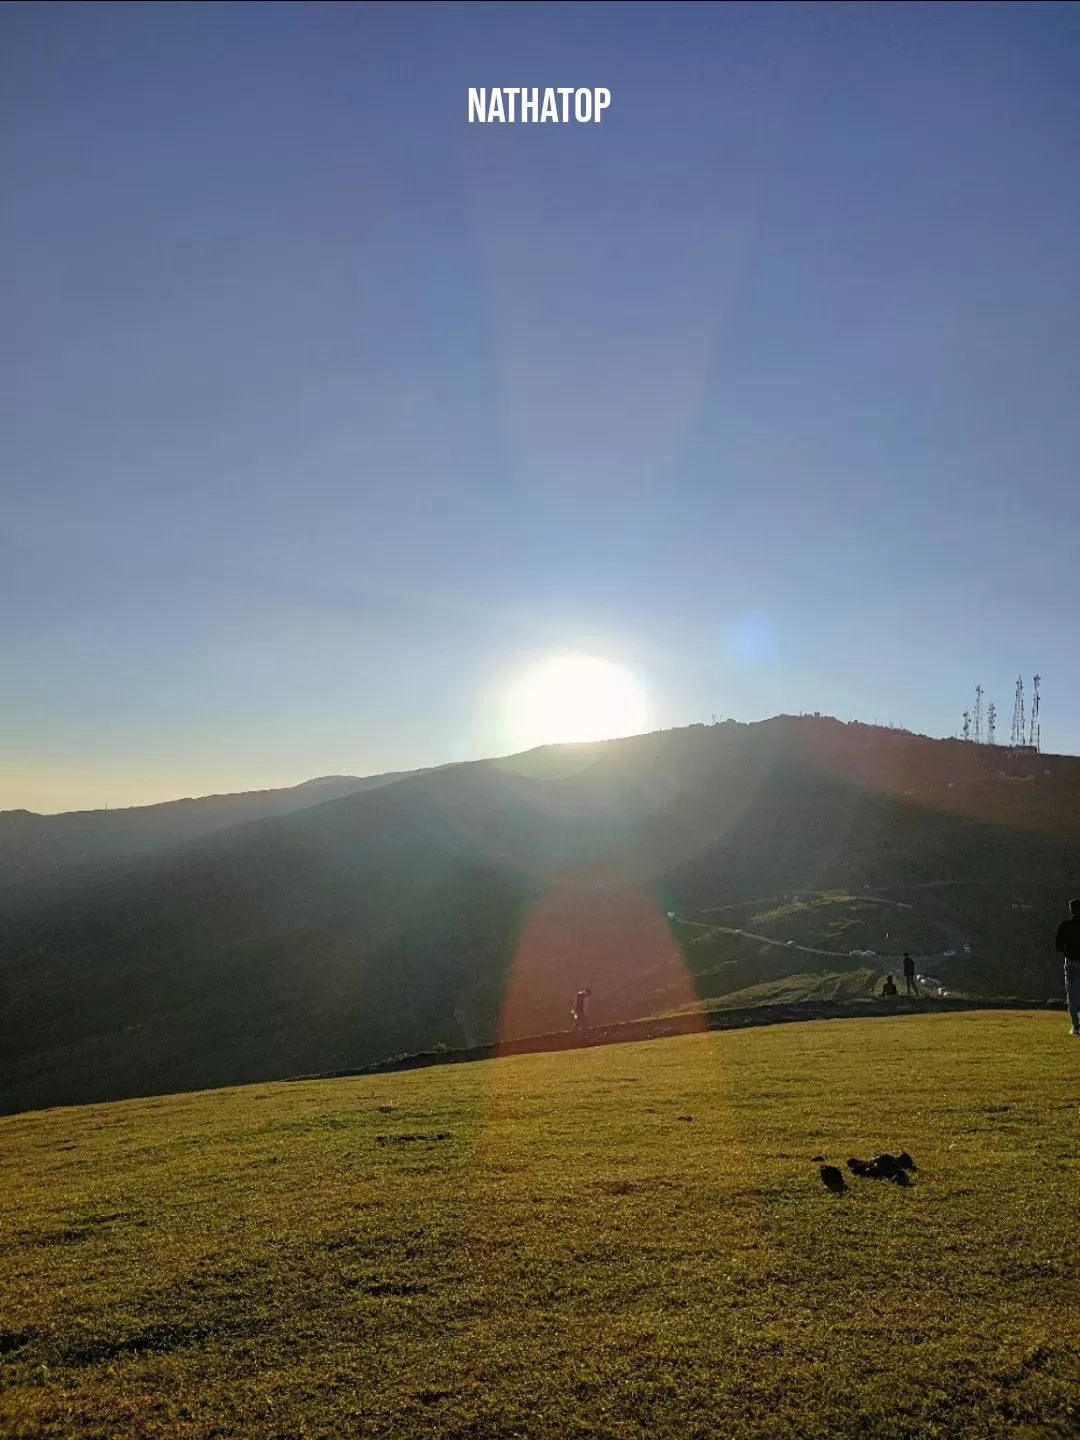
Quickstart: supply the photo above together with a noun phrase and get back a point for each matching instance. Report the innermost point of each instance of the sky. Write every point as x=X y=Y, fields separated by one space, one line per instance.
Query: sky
x=327 y=416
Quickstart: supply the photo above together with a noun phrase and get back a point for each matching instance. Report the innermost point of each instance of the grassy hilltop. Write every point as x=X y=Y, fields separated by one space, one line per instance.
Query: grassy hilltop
x=626 y=1242
x=460 y=905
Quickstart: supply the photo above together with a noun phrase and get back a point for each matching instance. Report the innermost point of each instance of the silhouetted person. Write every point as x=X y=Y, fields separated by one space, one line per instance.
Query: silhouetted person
x=888 y=988
x=581 y=1009
x=1067 y=943
x=909 y=975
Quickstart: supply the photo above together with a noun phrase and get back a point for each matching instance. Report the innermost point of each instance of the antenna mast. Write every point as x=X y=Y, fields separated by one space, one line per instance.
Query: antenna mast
x=967 y=725
x=1018 y=713
x=976 y=719
x=1033 y=737
x=991 y=721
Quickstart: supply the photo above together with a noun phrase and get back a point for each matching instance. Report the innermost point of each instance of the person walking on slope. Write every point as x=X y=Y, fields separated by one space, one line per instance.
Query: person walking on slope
x=909 y=975
x=581 y=1009
x=1067 y=943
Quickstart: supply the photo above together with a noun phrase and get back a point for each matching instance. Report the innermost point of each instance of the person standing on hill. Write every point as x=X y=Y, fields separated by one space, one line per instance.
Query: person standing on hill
x=1067 y=943
x=581 y=1009
x=909 y=975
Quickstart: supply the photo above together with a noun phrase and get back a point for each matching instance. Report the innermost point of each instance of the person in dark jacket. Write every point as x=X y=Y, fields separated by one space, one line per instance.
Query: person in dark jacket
x=909 y=974
x=1067 y=943
x=581 y=1009
x=888 y=988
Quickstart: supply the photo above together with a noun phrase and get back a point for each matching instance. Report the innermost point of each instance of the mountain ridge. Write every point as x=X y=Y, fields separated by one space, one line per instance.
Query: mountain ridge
x=34 y=845
x=470 y=903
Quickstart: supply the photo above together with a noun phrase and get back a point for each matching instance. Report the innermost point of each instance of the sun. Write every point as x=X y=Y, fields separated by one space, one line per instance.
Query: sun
x=572 y=698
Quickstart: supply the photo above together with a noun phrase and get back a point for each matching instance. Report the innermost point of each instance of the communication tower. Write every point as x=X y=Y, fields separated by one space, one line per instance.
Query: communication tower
x=1018 y=713
x=991 y=721
x=1033 y=734
x=967 y=725
x=976 y=719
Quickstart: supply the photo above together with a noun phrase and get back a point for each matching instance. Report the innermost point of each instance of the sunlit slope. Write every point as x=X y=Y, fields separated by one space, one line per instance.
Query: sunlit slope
x=471 y=903
x=630 y=1241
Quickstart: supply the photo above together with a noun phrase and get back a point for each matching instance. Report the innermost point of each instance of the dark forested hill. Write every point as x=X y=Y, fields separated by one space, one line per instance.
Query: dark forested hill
x=35 y=847
x=461 y=904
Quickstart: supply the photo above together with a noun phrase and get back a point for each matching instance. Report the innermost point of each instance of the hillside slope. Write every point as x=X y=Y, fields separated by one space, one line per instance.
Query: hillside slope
x=458 y=905
x=34 y=847
x=632 y=1242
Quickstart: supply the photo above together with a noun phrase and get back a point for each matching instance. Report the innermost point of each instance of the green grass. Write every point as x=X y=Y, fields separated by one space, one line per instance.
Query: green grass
x=836 y=920
x=797 y=989
x=579 y=1257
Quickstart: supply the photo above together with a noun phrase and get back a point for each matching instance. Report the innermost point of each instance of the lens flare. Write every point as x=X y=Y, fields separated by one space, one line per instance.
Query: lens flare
x=612 y=940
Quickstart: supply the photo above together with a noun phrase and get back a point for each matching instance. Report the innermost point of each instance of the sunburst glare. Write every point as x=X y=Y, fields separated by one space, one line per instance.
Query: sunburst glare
x=575 y=698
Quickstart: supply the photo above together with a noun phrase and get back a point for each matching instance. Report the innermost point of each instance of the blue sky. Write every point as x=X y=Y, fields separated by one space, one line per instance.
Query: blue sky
x=325 y=414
